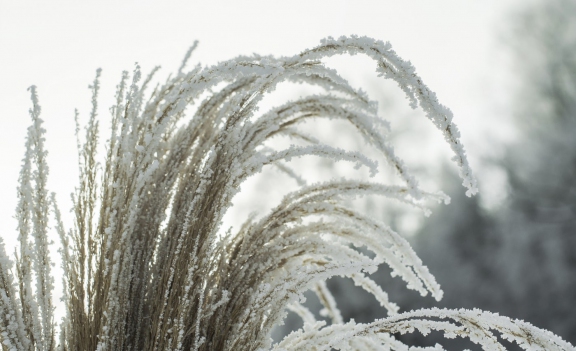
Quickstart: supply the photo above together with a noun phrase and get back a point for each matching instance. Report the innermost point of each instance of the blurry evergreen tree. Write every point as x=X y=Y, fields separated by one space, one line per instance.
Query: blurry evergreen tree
x=539 y=219
x=520 y=258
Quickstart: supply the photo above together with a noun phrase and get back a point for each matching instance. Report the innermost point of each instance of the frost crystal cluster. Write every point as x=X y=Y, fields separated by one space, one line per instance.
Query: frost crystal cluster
x=146 y=263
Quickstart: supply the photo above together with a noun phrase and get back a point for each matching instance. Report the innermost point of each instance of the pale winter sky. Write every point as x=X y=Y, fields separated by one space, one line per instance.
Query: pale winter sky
x=58 y=45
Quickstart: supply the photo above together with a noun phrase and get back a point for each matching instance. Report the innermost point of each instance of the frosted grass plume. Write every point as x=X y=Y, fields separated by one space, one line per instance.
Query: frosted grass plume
x=146 y=266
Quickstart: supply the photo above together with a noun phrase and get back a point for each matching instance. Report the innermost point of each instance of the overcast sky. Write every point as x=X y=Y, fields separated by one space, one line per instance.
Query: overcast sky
x=57 y=46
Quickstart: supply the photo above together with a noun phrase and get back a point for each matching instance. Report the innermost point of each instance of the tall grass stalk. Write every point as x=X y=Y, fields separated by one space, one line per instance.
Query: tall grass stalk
x=147 y=265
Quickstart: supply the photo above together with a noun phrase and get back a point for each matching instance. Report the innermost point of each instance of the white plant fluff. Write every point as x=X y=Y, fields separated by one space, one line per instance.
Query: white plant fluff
x=146 y=264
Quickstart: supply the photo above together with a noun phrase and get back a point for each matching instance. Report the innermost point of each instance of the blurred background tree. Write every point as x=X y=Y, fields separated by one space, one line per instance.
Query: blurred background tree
x=538 y=220
x=517 y=258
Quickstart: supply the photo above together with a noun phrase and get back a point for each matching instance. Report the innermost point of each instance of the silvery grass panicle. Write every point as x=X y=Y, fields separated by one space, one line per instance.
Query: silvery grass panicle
x=146 y=266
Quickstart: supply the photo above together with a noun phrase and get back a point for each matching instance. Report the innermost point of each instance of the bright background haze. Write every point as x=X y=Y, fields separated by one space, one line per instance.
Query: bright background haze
x=58 y=45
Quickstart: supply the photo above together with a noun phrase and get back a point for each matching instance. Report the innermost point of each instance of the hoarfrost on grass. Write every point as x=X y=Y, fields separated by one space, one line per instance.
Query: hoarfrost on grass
x=146 y=266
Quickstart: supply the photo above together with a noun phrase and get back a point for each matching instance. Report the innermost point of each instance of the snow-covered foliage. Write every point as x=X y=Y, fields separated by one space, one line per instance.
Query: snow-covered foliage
x=146 y=263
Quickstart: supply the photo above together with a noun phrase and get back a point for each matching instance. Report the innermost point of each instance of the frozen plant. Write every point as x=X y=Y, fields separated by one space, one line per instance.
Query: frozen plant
x=146 y=263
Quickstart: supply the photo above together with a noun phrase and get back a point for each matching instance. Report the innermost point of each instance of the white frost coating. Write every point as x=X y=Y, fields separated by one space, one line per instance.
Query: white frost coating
x=393 y=67
x=370 y=286
x=478 y=326
x=146 y=264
